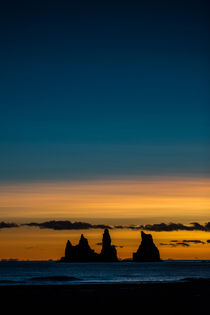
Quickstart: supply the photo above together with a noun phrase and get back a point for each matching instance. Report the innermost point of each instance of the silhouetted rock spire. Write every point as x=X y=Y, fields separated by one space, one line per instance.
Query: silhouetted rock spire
x=83 y=253
x=147 y=250
x=68 y=250
x=83 y=243
x=108 y=252
x=79 y=253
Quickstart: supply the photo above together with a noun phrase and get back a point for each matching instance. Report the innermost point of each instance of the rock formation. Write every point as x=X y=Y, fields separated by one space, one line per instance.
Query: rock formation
x=83 y=253
x=108 y=252
x=79 y=253
x=147 y=251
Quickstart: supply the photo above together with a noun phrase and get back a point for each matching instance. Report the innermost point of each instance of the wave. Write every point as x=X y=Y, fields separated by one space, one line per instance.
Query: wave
x=9 y=282
x=196 y=279
x=54 y=278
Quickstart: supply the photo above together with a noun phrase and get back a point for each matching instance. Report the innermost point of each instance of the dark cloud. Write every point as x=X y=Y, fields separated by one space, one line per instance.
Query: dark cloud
x=199 y=227
x=174 y=244
x=67 y=225
x=164 y=227
x=194 y=241
x=182 y=244
x=160 y=227
x=208 y=241
x=4 y=225
x=208 y=226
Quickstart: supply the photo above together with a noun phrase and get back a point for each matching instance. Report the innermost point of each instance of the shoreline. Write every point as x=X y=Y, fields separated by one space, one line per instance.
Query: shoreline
x=187 y=297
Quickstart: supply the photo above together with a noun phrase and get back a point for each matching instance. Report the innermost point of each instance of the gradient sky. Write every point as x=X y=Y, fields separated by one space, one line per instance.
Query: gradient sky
x=110 y=98
x=101 y=88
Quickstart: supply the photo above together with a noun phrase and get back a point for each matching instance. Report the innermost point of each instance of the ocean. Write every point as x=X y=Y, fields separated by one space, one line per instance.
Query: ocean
x=52 y=272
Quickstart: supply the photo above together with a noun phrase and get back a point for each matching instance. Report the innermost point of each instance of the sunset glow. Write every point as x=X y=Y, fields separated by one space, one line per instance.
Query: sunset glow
x=105 y=120
x=138 y=198
x=113 y=202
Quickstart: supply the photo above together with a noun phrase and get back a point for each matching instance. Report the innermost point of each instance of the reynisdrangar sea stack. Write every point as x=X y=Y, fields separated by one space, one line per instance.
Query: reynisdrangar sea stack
x=147 y=251
x=83 y=253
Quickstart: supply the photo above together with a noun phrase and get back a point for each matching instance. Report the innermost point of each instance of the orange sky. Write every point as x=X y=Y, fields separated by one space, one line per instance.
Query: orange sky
x=129 y=198
x=136 y=201
x=34 y=243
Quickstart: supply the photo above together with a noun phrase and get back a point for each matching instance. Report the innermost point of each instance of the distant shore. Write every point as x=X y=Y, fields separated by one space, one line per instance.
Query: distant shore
x=189 y=297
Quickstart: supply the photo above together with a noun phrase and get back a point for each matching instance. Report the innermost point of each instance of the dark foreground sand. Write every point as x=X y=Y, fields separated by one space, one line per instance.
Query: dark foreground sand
x=191 y=297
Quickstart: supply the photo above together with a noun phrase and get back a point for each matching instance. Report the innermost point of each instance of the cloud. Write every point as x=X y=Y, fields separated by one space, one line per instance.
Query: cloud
x=67 y=225
x=208 y=226
x=208 y=241
x=4 y=225
x=158 y=227
x=174 y=244
x=182 y=244
x=164 y=227
x=194 y=241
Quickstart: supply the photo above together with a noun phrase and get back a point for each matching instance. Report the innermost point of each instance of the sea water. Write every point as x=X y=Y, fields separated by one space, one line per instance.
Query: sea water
x=52 y=272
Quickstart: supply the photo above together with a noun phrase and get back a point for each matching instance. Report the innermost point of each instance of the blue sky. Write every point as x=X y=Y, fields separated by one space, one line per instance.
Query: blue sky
x=94 y=89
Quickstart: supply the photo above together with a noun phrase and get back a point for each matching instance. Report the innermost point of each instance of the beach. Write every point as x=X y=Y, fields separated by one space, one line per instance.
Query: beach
x=187 y=297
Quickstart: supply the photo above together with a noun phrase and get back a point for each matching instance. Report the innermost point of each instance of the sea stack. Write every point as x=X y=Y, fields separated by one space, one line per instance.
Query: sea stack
x=79 y=253
x=108 y=252
x=147 y=251
x=83 y=253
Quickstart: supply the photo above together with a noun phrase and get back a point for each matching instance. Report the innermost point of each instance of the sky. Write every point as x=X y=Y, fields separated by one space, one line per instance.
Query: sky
x=105 y=116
